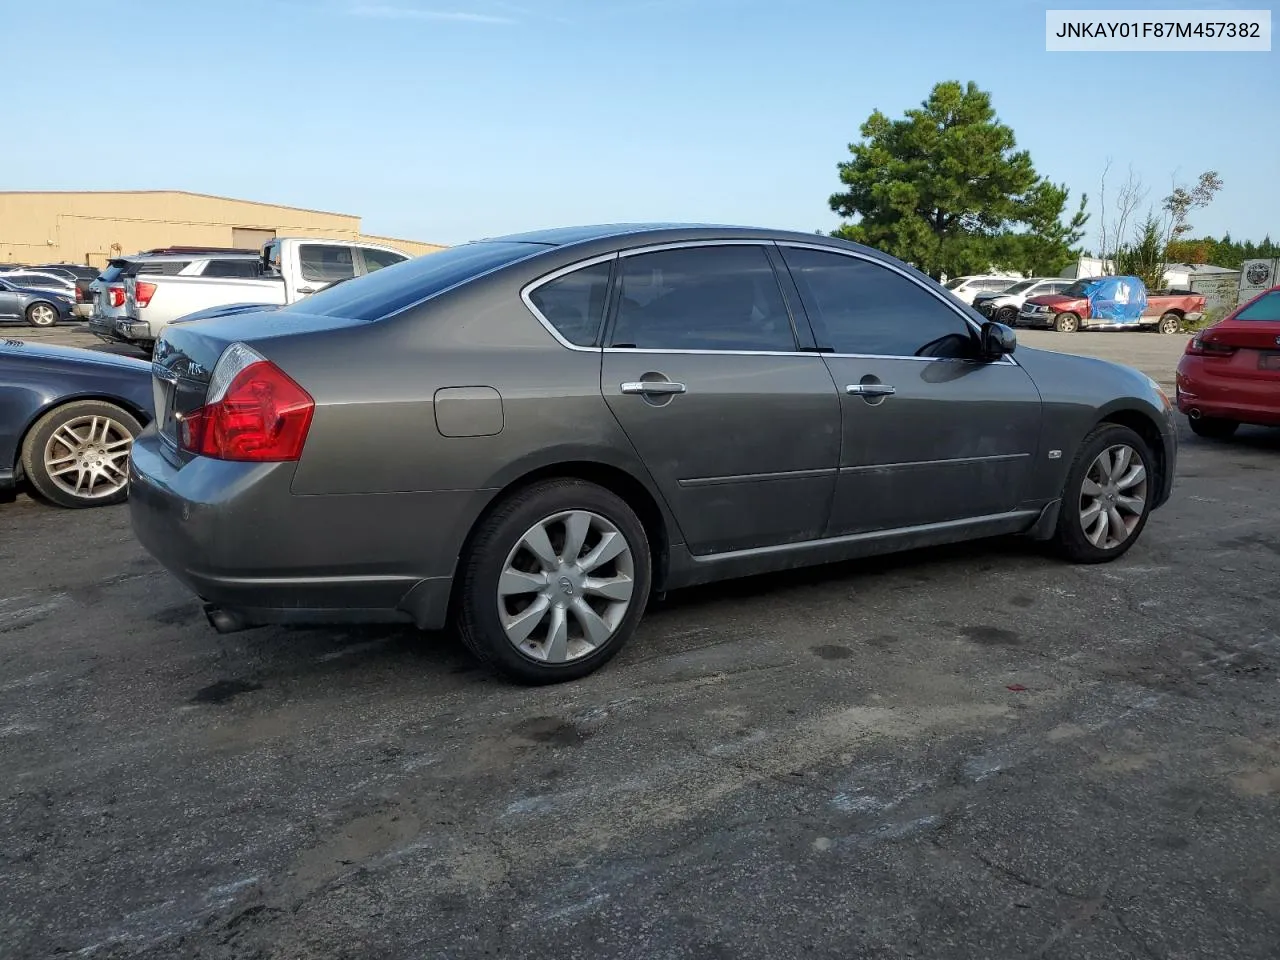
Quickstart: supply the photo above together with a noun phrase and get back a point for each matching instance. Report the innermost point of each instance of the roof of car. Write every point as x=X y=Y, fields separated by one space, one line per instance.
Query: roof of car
x=564 y=236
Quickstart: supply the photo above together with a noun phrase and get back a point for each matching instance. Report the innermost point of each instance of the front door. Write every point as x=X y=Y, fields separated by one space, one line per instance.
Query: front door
x=739 y=429
x=931 y=432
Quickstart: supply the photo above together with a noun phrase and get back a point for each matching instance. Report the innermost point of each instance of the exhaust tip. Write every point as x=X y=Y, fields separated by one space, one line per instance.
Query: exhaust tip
x=224 y=621
x=1194 y=413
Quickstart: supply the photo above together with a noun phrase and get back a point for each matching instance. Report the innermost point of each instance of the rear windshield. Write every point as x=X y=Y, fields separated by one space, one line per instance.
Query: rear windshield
x=393 y=288
x=114 y=271
x=1265 y=308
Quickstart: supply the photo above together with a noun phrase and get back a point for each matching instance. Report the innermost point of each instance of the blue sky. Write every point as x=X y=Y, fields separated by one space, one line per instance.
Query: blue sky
x=446 y=120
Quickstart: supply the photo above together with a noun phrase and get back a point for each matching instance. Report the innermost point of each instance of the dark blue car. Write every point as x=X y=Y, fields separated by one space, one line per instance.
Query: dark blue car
x=38 y=306
x=68 y=418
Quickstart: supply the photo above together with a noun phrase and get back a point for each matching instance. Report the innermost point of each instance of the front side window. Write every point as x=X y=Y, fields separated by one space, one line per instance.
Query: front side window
x=325 y=263
x=377 y=259
x=574 y=303
x=702 y=298
x=1266 y=308
x=868 y=309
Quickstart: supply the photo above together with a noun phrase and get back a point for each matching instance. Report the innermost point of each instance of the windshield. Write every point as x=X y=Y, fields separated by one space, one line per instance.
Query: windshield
x=386 y=291
x=955 y=282
x=1079 y=288
x=1266 y=309
x=1021 y=285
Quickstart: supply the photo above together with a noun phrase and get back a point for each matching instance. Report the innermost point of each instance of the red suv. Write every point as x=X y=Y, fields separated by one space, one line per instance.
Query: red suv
x=1230 y=373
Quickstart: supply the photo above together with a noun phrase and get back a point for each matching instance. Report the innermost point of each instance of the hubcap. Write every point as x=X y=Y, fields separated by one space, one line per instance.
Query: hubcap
x=42 y=315
x=566 y=586
x=88 y=457
x=1113 y=496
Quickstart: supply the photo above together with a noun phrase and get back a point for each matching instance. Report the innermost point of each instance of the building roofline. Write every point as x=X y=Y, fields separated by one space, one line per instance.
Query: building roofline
x=185 y=193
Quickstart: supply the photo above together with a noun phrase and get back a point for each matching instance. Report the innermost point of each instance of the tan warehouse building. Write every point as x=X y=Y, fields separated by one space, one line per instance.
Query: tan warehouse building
x=90 y=227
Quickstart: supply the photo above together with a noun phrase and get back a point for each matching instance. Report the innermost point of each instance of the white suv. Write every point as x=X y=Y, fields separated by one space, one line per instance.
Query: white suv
x=966 y=288
x=1004 y=306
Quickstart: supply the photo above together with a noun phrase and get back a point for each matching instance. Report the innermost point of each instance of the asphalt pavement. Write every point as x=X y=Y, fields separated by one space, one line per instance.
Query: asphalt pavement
x=974 y=752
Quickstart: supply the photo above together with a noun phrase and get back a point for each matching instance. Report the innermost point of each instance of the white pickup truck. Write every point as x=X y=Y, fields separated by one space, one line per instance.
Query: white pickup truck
x=292 y=268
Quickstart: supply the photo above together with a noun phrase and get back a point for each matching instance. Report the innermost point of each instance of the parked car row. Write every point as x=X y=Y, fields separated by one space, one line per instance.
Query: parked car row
x=137 y=297
x=1111 y=303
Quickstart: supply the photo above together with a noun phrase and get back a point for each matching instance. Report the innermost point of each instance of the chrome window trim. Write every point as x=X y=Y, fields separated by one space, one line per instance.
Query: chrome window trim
x=858 y=255
x=527 y=291
x=686 y=244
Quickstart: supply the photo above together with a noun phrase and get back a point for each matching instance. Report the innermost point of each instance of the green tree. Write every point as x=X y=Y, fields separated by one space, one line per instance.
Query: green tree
x=1144 y=258
x=944 y=188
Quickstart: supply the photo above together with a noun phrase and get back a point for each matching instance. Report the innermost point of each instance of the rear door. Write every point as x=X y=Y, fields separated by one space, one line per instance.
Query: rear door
x=9 y=303
x=931 y=433
x=737 y=425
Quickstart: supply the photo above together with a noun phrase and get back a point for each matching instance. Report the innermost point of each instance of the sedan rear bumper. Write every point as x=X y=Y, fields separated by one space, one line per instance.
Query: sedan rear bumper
x=1202 y=391
x=241 y=541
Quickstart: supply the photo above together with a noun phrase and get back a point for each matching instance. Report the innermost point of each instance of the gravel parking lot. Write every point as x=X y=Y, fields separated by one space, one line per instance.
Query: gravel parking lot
x=975 y=752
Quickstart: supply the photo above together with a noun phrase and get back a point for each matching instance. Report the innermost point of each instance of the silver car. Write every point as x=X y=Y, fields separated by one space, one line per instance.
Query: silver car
x=529 y=436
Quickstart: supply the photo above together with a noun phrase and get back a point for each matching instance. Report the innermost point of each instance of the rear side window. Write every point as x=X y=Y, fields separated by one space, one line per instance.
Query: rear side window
x=325 y=263
x=574 y=303
x=377 y=259
x=232 y=268
x=164 y=268
x=1266 y=308
x=384 y=292
x=702 y=298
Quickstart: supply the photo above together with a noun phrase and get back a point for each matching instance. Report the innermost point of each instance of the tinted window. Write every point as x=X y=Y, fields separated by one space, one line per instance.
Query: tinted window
x=869 y=309
x=574 y=303
x=1078 y=288
x=376 y=295
x=377 y=259
x=232 y=268
x=164 y=268
x=325 y=263
x=1266 y=308
x=37 y=280
x=702 y=298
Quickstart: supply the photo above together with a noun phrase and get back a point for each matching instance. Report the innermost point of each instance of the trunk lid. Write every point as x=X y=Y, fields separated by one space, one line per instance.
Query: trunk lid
x=1253 y=331
x=187 y=354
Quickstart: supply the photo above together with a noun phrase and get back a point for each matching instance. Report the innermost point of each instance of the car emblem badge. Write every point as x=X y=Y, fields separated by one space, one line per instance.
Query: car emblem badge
x=567 y=586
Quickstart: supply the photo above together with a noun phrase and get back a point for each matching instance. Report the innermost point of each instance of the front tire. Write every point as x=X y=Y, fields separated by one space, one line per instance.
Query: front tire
x=77 y=455
x=1213 y=428
x=1008 y=316
x=42 y=315
x=1066 y=323
x=1169 y=323
x=554 y=583
x=1108 y=495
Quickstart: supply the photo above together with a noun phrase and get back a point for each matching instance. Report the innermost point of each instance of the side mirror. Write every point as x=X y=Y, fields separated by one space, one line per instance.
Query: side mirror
x=997 y=340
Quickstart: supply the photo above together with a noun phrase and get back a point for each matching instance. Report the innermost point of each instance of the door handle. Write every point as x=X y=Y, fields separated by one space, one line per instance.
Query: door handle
x=870 y=390
x=652 y=387
x=306 y=289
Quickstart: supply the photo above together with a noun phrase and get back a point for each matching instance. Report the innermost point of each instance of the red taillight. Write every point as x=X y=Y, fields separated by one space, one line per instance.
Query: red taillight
x=115 y=296
x=143 y=292
x=263 y=415
x=80 y=296
x=1199 y=347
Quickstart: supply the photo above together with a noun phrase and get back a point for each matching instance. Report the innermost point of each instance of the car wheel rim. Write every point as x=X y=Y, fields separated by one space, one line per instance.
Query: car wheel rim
x=43 y=316
x=88 y=457
x=1113 y=496
x=1169 y=326
x=566 y=587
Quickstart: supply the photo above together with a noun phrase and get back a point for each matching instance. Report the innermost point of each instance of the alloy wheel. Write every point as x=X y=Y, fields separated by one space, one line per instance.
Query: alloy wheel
x=42 y=315
x=566 y=586
x=88 y=457
x=1113 y=496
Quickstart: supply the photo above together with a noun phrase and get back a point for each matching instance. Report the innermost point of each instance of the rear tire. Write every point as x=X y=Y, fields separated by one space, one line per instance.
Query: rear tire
x=546 y=614
x=1066 y=323
x=1170 y=323
x=1213 y=428
x=1104 y=511
x=77 y=455
x=42 y=314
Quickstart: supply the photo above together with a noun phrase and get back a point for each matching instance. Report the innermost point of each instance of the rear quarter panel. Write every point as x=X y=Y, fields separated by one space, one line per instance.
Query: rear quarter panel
x=30 y=387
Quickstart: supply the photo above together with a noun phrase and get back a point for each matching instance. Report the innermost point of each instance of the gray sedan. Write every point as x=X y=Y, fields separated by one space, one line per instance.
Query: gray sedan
x=529 y=436
x=38 y=307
